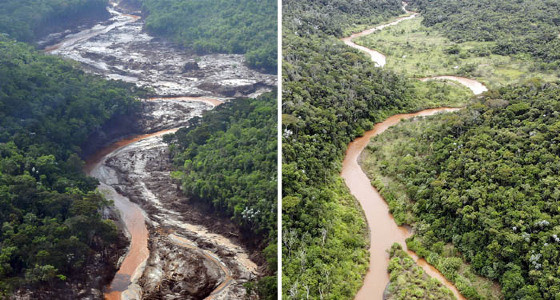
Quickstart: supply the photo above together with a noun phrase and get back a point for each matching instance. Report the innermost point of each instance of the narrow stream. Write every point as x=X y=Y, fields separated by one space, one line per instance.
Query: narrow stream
x=380 y=59
x=475 y=86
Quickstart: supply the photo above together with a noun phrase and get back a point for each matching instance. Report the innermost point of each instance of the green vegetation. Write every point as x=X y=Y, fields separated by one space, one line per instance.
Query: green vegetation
x=419 y=51
x=522 y=27
x=408 y=280
x=331 y=94
x=486 y=180
x=229 y=159
x=245 y=27
x=50 y=215
x=29 y=20
x=335 y=17
x=377 y=160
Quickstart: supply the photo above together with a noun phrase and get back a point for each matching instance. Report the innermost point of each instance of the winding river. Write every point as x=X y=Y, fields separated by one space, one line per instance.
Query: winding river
x=383 y=229
x=380 y=59
x=132 y=216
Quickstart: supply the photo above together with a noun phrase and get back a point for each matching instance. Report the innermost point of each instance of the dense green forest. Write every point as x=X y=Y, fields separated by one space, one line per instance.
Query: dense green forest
x=335 y=17
x=50 y=214
x=228 y=158
x=409 y=281
x=28 y=20
x=529 y=27
x=244 y=26
x=485 y=179
x=331 y=94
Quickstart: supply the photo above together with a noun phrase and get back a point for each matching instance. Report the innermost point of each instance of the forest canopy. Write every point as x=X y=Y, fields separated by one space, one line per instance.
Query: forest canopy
x=50 y=215
x=335 y=17
x=331 y=94
x=486 y=180
x=518 y=27
x=219 y=26
x=228 y=158
x=29 y=20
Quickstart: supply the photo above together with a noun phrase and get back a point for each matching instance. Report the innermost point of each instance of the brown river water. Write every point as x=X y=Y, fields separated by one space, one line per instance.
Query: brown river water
x=134 y=217
x=380 y=59
x=207 y=100
x=377 y=57
x=119 y=48
x=383 y=229
x=131 y=214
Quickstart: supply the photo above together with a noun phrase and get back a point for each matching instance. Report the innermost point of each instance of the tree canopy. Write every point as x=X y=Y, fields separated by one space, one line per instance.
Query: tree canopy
x=485 y=179
x=219 y=26
x=331 y=94
x=518 y=27
x=29 y=20
x=228 y=158
x=51 y=217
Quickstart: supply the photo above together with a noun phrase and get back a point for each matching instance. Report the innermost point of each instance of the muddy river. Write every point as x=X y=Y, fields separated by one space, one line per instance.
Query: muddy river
x=380 y=59
x=176 y=250
x=383 y=229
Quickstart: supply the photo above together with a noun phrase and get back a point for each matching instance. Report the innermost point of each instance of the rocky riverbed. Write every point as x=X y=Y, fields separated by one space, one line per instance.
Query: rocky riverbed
x=118 y=48
x=178 y=249
x=191 y=252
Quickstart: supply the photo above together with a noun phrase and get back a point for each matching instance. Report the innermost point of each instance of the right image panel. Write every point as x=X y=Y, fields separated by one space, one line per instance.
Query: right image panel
x=420 y=149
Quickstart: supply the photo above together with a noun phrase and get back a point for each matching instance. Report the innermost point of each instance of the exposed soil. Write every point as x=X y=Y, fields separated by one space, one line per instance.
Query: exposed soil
x=120 y=49
x=179 y=249
x=180 y=231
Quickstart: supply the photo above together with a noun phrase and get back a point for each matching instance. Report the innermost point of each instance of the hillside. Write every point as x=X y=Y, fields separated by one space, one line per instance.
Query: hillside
x=332 y=94
x=53 y=232
x=29 y=20
x=227 y=159
x=244 y=27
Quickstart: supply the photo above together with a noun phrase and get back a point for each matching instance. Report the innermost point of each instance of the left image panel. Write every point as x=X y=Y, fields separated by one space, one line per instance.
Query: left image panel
x=138 y=149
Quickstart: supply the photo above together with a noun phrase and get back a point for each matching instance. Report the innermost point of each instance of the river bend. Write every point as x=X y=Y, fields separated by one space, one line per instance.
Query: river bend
x=380 y=59
x=171 y=240
x=383 y=229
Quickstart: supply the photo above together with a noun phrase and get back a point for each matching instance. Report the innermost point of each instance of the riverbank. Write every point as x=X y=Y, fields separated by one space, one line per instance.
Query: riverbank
x=384 y=232
x=378 y=162
x=369 y=286
x=119 y=49
x=136 y=171
x=417 y=51
x=210 y=258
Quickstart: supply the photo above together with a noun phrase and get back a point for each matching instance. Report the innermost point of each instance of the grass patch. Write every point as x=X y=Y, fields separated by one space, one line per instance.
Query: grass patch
x=409 y=281
x=419 y=51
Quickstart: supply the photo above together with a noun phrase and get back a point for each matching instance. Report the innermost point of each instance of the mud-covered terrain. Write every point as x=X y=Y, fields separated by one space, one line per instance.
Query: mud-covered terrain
x=119 y=49
x=178 y=250
x=161 y=114
x=192 y=254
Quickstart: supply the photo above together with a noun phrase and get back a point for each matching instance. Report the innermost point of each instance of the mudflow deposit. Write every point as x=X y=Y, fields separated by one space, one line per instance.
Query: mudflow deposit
x=177 y=250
